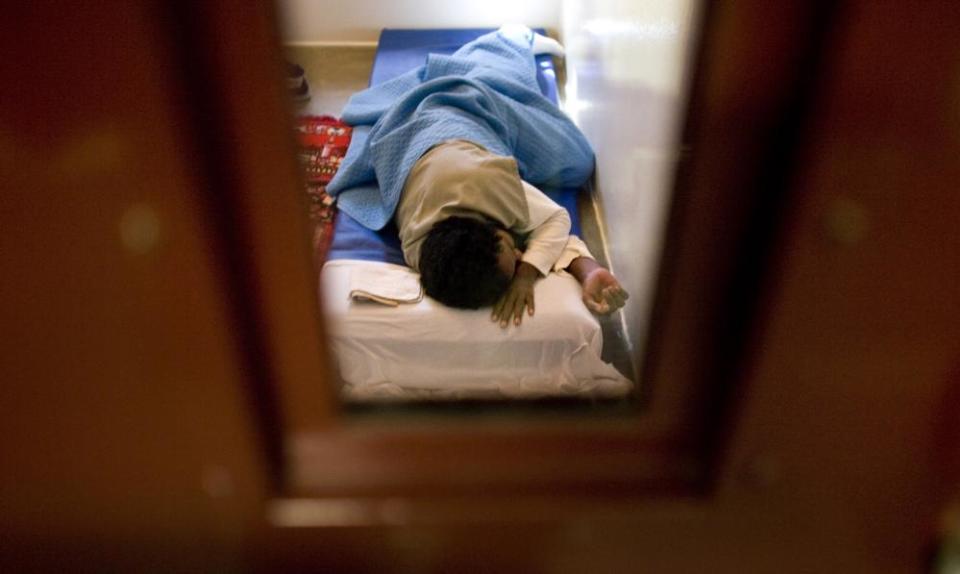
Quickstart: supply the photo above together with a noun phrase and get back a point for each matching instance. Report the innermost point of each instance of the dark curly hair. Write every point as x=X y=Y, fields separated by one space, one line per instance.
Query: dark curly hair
x=458 y=263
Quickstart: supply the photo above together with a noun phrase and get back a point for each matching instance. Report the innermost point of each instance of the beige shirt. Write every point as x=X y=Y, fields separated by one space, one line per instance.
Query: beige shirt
x=460 y=178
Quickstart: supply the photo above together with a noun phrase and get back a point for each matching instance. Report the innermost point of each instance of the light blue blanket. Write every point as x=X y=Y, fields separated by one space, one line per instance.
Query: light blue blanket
x=486 y=93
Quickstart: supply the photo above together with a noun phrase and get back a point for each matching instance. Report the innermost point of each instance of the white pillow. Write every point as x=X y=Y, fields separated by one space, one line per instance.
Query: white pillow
x=429 y=351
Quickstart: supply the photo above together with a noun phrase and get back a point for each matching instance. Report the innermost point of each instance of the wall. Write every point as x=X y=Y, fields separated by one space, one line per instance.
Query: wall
x=361 y=20
x=627 y=70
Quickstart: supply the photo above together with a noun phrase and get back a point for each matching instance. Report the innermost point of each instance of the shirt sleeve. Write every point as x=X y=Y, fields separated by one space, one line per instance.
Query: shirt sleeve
x=548 y=229
x=574 y=248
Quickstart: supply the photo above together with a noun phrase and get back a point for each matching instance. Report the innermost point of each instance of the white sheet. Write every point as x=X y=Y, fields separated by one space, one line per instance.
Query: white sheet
x=428 y=351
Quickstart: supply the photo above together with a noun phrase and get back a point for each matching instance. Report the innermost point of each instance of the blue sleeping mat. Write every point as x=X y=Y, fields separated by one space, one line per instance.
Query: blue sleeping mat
x=400 y=51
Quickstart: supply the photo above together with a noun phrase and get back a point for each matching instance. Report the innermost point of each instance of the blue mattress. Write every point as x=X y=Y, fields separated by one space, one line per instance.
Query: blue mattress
x=399 y=51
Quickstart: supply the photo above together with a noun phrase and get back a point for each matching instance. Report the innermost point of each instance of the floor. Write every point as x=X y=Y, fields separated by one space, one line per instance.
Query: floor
x=336 y=72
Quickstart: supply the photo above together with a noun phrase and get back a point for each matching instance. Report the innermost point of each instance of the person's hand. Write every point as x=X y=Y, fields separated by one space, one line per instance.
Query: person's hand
x=519 y=296
x=602 y=293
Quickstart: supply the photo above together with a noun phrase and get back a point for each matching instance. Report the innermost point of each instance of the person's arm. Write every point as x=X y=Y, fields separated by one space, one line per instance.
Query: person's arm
x=548 y=228
x=602 y=293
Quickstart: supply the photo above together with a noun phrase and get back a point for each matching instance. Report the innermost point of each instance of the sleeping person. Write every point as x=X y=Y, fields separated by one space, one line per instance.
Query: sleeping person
x=480 y=235
x=447 y=151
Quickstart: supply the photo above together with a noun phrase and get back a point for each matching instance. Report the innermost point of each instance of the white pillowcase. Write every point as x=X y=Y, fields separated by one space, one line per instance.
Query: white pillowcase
x=426 y=350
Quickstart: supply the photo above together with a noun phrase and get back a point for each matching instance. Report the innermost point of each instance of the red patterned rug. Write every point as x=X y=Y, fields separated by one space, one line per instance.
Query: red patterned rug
x=323 y=142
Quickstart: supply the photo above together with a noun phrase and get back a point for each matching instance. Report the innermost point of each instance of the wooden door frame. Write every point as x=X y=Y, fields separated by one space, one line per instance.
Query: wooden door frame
x=691 y=465
x=737 y=147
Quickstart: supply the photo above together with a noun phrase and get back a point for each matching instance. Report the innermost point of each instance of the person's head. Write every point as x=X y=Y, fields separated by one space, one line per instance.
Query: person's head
x=467 y=263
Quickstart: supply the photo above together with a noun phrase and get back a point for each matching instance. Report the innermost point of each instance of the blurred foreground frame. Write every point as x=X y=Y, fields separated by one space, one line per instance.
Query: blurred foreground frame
x=168 y=401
